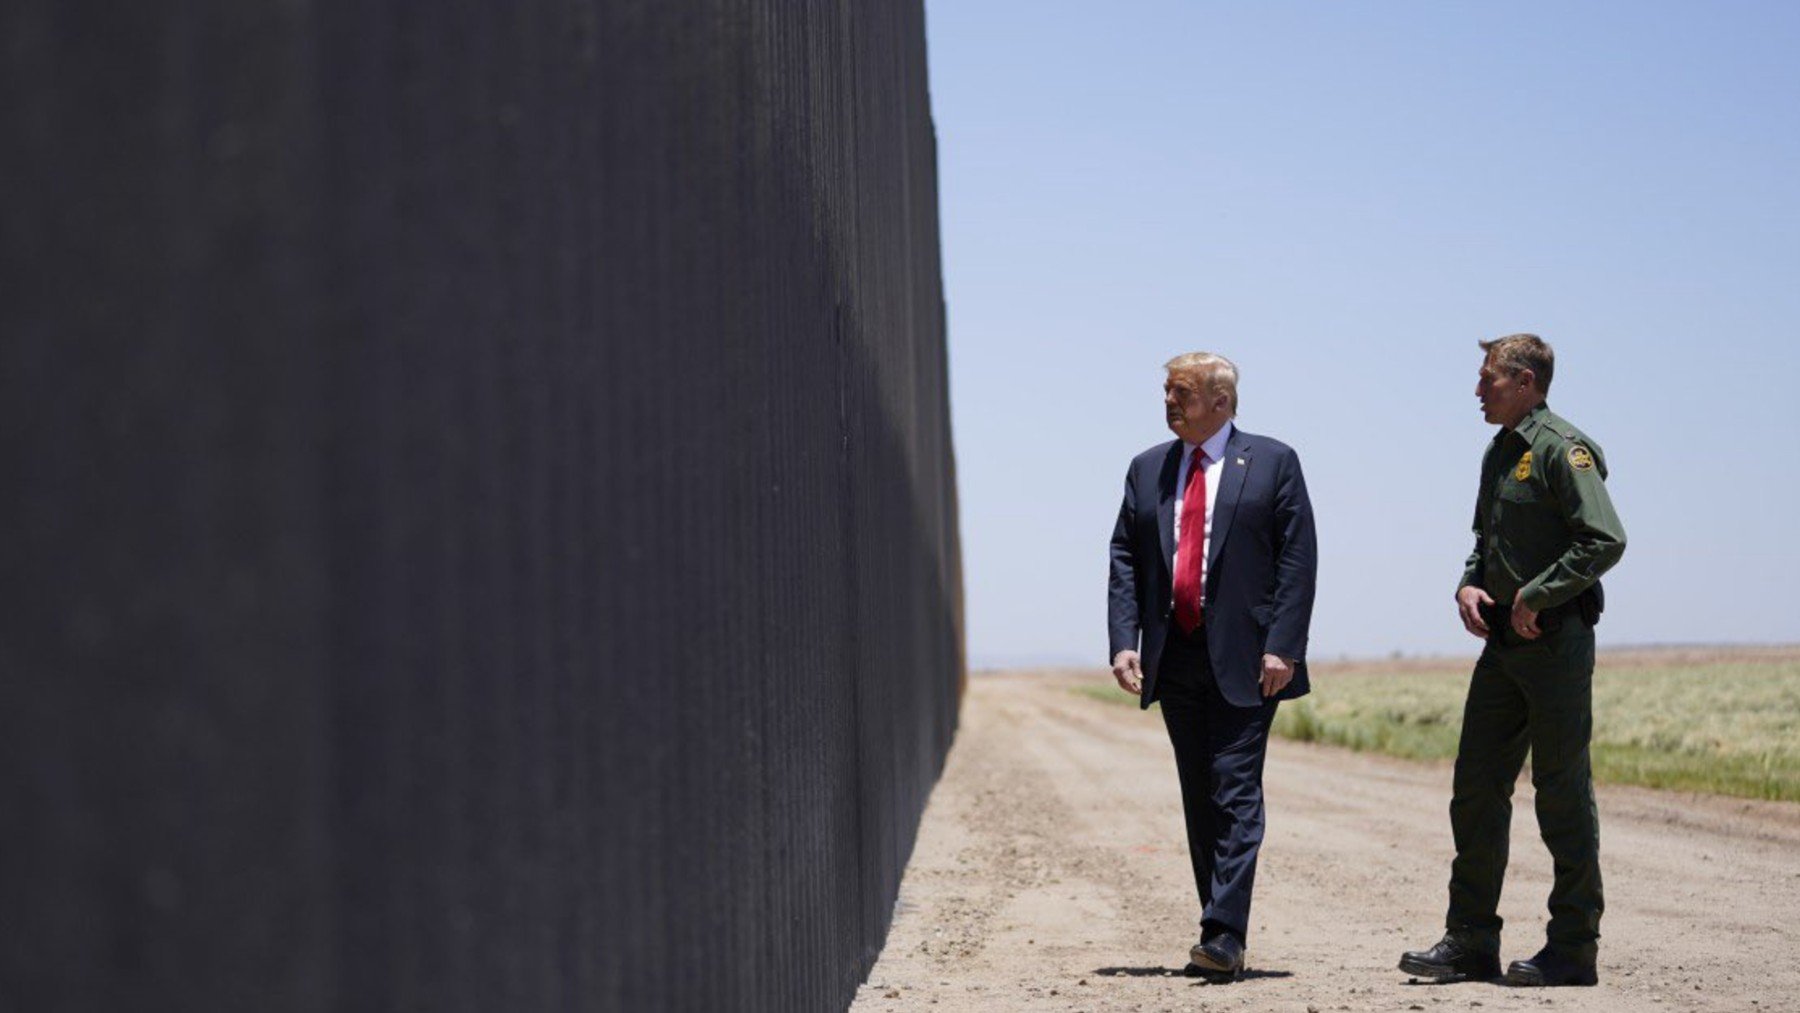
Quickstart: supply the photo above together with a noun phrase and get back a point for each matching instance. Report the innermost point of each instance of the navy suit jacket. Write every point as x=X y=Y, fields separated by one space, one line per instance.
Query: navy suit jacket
x=1260 y=565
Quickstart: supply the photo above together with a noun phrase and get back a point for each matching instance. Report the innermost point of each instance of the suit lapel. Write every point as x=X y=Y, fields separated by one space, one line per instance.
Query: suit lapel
x=1165 y=504
x=1232 y=470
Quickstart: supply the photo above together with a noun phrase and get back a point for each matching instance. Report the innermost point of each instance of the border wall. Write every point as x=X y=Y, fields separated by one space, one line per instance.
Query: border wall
x=479 y=506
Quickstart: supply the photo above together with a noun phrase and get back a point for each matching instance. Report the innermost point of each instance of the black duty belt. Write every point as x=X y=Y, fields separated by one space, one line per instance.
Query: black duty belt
x=1588 y=605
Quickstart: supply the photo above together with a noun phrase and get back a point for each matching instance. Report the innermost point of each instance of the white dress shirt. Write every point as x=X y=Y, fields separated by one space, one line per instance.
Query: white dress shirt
x=1214 y=448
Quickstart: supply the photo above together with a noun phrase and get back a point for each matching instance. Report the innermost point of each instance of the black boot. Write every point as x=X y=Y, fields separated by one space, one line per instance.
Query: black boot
x=1450 y=960
x=1551 y=968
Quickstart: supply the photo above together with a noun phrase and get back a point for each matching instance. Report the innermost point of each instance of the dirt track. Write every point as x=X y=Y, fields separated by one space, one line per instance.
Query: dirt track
x=1051 y=874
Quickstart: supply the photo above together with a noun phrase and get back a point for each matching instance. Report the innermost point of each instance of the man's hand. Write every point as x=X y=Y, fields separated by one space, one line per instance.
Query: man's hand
x=1125 y=669
x=1276 y=674
x=1524 y=620
x=1468 y=603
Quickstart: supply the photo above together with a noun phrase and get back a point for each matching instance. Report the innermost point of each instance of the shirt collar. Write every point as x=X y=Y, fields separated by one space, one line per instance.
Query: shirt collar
x=1214 y=447
x=1533 y=420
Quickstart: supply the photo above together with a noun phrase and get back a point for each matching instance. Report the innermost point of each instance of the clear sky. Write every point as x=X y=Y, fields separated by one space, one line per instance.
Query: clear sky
x=1343 y=198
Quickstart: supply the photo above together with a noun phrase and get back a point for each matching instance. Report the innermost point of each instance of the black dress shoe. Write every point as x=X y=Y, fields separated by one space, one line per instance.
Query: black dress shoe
x=1219 y=958
x=1550 y=968
x=1450 y=960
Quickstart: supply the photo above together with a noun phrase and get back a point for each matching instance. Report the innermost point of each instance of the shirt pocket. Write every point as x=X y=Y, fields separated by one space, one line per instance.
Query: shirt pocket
x=1527 y=518
x=1514 y=494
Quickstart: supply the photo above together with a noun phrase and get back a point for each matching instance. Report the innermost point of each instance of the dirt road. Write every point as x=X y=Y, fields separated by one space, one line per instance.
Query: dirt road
x=1051 y=874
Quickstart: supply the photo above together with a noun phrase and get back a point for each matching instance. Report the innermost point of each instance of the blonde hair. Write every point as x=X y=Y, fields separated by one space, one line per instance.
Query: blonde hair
x=1217 y=373
x=1517 y=352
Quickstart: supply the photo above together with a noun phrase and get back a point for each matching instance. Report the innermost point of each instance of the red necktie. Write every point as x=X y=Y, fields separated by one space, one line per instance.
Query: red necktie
x=1190 y=554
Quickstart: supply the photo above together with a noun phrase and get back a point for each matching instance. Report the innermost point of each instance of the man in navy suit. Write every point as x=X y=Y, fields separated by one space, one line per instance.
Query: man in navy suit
x=1213 y=563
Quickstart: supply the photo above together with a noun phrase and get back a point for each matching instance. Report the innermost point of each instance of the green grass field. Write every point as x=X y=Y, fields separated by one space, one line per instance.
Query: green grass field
x=1729 y=726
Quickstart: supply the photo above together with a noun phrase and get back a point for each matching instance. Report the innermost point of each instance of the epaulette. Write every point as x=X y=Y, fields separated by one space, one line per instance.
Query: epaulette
x=1561 y=427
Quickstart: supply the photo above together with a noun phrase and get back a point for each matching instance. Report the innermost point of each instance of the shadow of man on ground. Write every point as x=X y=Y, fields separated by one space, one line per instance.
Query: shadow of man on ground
x=1247 y=974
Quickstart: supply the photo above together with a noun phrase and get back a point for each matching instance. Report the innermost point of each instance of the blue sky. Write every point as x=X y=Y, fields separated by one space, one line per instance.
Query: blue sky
x=1343 y=198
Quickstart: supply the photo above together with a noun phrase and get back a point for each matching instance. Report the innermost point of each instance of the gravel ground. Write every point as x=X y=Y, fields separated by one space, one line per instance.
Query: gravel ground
x=1051 y=874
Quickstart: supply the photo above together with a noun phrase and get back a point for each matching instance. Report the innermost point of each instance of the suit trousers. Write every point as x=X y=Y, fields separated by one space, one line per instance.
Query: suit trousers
x=1219 y=752
x=1534 y=695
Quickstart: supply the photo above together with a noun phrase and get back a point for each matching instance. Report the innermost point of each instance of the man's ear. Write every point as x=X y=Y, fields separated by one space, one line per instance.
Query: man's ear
x=1528 y=378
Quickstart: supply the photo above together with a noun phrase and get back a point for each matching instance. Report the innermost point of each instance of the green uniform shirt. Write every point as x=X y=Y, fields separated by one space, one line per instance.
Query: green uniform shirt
x=1543 y=520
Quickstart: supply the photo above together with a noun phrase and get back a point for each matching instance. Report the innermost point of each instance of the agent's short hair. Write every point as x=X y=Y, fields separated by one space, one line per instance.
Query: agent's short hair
x=1517 y=352
x=1216 y=372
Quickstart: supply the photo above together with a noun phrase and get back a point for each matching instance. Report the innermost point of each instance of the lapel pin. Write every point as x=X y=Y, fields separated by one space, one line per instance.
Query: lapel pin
x=1240 y=460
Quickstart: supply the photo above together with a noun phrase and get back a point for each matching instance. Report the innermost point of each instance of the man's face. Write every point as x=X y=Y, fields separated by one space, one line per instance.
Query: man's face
x=1193 y=412
x=1505 y=397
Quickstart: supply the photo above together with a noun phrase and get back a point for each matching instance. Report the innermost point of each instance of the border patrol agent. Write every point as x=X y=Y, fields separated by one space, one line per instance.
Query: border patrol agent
x=1545 y=530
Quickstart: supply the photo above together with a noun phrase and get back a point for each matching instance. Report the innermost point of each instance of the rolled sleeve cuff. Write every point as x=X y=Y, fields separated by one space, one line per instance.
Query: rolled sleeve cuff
x=1534 y=597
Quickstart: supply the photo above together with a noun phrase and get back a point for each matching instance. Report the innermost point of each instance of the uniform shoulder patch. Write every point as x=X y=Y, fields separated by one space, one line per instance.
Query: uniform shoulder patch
x=1522 y=470
x=1580 y=458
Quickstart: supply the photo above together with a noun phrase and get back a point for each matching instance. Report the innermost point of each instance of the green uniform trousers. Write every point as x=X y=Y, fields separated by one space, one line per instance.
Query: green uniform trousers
x=1536 y=695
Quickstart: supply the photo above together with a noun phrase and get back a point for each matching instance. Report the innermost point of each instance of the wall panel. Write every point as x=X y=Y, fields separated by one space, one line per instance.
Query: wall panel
x=480 y=502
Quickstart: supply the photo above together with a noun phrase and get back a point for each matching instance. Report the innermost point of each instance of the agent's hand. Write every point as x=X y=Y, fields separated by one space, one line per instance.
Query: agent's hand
x=1126 y=671
x=1276 y=674
x=1468 y=604
x=1524 y=620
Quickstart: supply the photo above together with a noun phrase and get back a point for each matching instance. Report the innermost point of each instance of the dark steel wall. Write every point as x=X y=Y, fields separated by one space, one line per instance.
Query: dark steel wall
x=479 y=522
